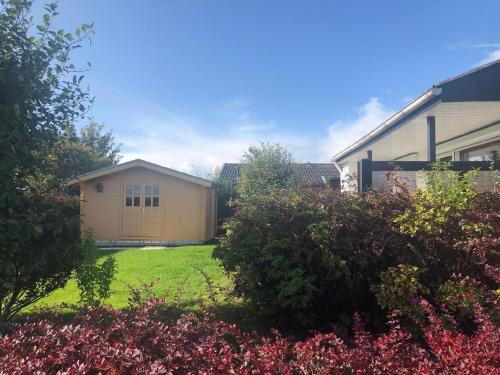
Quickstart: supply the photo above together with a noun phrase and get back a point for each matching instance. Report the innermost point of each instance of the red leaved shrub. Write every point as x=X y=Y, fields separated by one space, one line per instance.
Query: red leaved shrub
x=141 y=341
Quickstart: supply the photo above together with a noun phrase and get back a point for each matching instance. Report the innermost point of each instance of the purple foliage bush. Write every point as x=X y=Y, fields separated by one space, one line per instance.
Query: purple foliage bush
x=140 y=341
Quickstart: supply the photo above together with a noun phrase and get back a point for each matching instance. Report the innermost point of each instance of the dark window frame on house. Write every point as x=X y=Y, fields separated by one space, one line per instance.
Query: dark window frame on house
x=476 y=153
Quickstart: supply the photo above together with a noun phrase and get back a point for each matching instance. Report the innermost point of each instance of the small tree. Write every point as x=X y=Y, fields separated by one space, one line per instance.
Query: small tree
x=40 y=96
x=78 y=153
x=90 y=149
x=266 y=168
x=94 y=280
x=103 y=146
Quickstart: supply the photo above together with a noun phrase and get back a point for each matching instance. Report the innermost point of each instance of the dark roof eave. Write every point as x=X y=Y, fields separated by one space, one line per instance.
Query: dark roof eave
x=456 y=88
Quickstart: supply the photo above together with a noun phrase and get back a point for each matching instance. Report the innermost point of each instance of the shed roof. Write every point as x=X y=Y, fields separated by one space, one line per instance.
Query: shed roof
x=308 y=174
x=143 y=164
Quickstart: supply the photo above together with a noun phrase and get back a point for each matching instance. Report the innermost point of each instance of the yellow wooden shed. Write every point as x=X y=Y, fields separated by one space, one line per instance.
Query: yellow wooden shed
x=142 y=203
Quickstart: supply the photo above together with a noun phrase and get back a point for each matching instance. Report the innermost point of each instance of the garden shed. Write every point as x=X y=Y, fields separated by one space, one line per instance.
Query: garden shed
x=138 y=202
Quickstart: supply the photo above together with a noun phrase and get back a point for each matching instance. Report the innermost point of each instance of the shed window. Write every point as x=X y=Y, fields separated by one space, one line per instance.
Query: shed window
x=151 y=195
x=132 y=195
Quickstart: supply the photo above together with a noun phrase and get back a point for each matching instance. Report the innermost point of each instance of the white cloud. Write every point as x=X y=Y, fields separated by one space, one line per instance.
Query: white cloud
x=343 y=133
x=487 y=45
x=190 y=145
x=182 y=143
x=461 y=45
x=491 y=56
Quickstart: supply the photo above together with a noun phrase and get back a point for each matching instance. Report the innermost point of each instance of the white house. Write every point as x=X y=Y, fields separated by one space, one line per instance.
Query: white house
x=455 y=120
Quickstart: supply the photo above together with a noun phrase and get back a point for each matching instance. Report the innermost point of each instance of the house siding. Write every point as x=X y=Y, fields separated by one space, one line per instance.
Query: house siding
x=415 y=179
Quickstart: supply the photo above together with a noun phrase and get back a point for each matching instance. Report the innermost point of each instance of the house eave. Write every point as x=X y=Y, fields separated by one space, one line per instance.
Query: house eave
x=423 y=102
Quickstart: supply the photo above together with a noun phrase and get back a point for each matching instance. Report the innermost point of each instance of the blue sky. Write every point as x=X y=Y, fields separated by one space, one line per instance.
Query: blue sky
x=191 y=84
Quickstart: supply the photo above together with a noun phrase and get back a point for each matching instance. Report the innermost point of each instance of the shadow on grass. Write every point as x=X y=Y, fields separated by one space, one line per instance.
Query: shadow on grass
x=105 y=252
x=242 y=314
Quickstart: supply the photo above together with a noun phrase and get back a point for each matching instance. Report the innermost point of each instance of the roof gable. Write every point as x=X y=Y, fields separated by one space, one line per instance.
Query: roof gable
x=141 y=164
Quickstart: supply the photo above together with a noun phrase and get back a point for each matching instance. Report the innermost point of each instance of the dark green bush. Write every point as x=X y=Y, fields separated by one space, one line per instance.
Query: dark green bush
x=42 y=94
x=40 y=252
x=263 y=250
x=316 y=257
x=300 y=255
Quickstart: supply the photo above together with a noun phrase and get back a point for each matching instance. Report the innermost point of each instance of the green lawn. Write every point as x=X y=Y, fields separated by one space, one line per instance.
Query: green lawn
x=171 y=268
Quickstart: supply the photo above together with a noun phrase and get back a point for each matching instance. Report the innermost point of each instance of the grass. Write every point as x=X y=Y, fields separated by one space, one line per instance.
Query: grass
x=172 y=269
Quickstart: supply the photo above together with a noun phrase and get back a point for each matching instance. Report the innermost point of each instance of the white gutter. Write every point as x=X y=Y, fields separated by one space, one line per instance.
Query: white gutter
x=432 y=93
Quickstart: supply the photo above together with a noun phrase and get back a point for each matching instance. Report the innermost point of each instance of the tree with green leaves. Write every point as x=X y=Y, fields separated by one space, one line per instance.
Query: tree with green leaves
x=41 y=97
x=80 y=152
x=266 y=168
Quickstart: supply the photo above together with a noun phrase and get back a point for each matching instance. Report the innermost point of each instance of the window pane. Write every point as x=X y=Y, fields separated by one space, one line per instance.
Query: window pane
x=156 y=189
x=484 y=152
x=156 y=201
x=137 y=201
x=129 y=189
x=137 y=189
x=147 y=201
x=479 y=158
x=128 y=201
x=147 y=189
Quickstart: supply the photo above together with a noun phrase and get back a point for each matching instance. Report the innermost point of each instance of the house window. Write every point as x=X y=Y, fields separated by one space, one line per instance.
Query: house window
x=484 y=152
x=446 y=158
x=151 y=195
x=132 y=195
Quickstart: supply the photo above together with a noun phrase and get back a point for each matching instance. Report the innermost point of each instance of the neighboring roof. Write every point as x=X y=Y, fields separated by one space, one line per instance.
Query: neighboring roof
x=230 y=173
x=479 y=84
x=308 y=174
x=141 y=164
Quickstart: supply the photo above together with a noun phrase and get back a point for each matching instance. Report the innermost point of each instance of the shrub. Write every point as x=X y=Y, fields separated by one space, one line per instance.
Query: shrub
x=460 y=293
x=141 y=341
x=301 y=255
x=447 y=195
x=41 y=95
x=93 y=279
x=316 y=257
x=46 y=250
x=400 y=290
x=263 y=249
x=266 y=168
x=453 y=229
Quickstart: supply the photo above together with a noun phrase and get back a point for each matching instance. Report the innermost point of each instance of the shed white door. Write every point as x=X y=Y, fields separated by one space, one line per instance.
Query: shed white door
x=132 y=210
x=141 y=211
x=151 y=212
